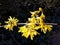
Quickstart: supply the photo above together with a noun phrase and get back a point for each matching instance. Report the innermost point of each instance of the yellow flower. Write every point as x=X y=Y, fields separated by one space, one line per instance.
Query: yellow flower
x=28 y=31
x=34 y=13
x=32 y=22
x=11 y=23
x=32 y=33
x=46 y=27
x=40 y=19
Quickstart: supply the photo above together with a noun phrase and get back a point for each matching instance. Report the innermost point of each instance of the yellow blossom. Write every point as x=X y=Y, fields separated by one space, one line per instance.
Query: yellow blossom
x=11 y=23
x=32 y=33
x=28 y=31
x=34 y=13
x=40 y=19
x=46 y=27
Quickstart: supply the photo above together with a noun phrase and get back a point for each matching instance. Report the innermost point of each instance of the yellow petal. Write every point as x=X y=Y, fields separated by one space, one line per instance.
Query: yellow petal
x=40 y=9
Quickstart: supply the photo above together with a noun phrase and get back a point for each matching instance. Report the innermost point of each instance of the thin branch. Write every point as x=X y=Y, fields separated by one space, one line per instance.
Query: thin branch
x=36 y=23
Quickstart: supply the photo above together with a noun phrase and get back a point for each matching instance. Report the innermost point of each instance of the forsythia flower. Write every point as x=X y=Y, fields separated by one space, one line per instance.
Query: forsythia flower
x=34 y=13
x=27 y=31
x=11 y=23
x=45 y=28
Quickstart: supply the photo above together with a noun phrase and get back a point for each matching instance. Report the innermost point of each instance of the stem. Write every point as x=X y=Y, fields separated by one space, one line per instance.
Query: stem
x=36 y=23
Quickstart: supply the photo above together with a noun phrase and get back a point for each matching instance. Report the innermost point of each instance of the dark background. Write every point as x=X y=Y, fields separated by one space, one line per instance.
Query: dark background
x=21 y=10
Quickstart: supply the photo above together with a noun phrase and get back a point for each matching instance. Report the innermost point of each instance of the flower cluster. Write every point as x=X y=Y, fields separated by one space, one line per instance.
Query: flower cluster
x=33 y=24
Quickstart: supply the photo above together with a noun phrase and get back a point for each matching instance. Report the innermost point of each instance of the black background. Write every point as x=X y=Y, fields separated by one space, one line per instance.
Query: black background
x=21 y=10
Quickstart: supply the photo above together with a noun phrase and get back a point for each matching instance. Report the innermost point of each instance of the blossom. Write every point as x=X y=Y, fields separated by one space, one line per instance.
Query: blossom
x=27 y=31
x=43 y=26
x=34 y=13
x=46 y=27
x=11 y=23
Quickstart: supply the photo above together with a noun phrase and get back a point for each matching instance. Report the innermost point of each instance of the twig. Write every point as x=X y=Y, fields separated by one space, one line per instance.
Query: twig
x=36 y=23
